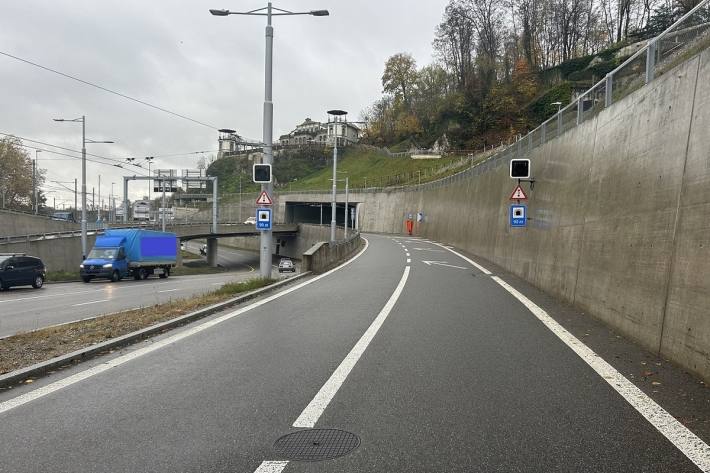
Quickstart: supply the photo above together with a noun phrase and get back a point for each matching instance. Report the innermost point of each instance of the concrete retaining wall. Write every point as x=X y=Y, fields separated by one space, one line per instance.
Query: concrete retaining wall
x=18 y=224
x=324 y=255
x=59 y=254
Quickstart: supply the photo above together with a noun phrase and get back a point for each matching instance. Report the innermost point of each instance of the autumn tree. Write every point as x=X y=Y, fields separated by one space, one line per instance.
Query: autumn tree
x=400 y=76
x=16 y=174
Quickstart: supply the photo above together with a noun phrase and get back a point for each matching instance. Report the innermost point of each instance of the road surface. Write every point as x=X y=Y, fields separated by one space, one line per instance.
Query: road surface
x=25 y=308
x=434 y=364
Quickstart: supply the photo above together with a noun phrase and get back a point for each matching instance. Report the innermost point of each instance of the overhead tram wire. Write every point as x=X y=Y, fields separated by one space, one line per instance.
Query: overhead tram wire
x=68 y=149
x=119 y=165
x=91 y=84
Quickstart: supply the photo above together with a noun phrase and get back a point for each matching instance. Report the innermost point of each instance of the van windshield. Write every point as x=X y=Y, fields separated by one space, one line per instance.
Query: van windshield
x=103 y=253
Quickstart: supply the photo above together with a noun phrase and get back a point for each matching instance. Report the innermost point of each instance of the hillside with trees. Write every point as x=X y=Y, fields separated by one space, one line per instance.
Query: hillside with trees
x=500 y=65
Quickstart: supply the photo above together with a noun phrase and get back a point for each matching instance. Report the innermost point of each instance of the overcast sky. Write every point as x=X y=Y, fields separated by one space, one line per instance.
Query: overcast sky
x=174 y=54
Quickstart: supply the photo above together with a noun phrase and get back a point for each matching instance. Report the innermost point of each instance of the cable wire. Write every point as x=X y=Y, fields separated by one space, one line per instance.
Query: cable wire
x=128 y=97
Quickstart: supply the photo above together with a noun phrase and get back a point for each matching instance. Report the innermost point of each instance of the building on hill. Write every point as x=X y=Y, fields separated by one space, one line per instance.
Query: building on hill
x=315 y=133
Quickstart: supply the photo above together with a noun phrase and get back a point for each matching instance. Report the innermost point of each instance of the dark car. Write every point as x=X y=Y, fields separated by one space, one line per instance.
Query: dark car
x=21 y=270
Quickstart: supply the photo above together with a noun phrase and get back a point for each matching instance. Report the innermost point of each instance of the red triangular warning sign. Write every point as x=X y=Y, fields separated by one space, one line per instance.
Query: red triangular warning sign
x=518 y=194
x=264 y=199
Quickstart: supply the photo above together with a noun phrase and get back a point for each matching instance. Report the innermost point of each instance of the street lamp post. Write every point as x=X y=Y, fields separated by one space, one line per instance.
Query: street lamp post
x=334 y=204
x=269 y=11
x=83 y=177
x=150 y=183
x=35 y=170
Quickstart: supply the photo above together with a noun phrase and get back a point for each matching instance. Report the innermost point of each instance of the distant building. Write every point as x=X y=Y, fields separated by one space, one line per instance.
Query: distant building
x=321 y=134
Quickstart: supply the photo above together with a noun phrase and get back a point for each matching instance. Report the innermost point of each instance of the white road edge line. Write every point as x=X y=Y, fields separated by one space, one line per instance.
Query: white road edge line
x=271 y=467
x=319 y=403
x=686 y=441
x=476 y=265
x=92 y=302
x=73 y=379
x=173 y=290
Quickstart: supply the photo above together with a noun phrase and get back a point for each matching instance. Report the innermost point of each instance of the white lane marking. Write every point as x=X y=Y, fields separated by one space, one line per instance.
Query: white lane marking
x=92 y=302
x=469 y=260
x=318 y=404
x=173 y=290
x=271 y=467
x=442 y=263
x=428 y=249
x=686 y=441
x=409 y=260
x=408 y=254
x=68 y=381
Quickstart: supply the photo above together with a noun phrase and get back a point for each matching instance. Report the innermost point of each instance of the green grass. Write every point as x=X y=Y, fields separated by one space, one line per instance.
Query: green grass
x=196 y=267
x=369 y=168
x=56 y=276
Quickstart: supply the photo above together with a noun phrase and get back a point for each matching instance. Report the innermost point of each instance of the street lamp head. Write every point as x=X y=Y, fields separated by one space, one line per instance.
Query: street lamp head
x=337 y=112
x=556 y=103
x=320 y=13
x=219 y=12
x=58 y=119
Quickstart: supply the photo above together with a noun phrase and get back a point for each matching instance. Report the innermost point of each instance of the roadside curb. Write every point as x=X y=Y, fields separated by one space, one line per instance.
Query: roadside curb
x=38 y=369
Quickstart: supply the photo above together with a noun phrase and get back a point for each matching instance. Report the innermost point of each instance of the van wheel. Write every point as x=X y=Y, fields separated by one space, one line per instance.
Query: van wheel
x=115 y=276
x=142 y=274
x=165 y=273
x=86 y=279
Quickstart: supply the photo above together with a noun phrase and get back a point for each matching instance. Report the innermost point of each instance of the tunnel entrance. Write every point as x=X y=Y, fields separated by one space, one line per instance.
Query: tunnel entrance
x=319 y=213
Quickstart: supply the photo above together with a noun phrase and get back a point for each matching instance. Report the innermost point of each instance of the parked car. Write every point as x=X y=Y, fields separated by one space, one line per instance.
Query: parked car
x=250 y=221
x=286 y=265
x=21 y=270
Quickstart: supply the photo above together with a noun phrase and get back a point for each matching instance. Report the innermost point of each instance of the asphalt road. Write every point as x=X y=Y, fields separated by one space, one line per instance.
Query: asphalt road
x=25 y=308
x=435 y=366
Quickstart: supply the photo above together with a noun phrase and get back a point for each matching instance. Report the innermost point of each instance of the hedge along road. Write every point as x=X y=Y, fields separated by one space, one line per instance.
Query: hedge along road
x=25 y=309
x=436 y=366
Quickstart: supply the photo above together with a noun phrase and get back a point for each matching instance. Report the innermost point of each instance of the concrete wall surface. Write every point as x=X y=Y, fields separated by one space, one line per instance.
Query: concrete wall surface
x=619 y=215
x=18 y=224
x=59 y=254
x=324 y=255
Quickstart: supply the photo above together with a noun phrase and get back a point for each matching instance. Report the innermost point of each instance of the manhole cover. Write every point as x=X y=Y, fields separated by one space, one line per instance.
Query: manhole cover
x=317 y=444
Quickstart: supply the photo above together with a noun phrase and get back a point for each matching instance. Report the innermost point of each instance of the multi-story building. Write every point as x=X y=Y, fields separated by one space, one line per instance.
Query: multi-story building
x=321 y=134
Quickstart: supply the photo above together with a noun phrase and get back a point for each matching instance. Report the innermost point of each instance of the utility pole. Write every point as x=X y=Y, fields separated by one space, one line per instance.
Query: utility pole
x=76 y=209
x=347 y=210
x=101 y=204
x=35 y=170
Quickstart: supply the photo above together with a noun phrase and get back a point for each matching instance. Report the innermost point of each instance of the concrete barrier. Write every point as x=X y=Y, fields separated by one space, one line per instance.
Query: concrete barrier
x=324 y=255
x=18 y=223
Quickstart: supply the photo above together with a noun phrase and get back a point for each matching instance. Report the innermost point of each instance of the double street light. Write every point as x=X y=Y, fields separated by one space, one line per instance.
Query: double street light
x=268 y=126
x=84 y=141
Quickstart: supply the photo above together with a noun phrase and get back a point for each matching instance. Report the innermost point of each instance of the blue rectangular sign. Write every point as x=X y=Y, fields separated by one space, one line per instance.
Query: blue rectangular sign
x=263 y=219
x=518 y=215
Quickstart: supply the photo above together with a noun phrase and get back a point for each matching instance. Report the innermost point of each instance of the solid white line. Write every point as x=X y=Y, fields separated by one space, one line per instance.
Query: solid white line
x=318 y=404
x=173 y=290
x=92 y=302
x=469 y=260
x=271 y=467
x=686 y=441
x=63 y=383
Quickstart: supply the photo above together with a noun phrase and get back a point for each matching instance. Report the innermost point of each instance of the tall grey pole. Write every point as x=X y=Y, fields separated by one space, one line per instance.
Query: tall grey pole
x=240 y=196
x=215 y=204
x=335 y=185
x=34 y=182
x=265 y=244
x=76 y=206
x=163 y=212
x=347 y=211
x=125 y=198
x=101 y=203
x=83 y=187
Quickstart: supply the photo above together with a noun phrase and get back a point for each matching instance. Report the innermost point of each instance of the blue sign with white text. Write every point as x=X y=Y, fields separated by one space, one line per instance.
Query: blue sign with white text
x=518 y=215
x=263 y=219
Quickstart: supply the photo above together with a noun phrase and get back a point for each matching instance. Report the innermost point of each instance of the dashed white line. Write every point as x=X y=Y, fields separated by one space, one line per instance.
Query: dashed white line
x=171 y=290
x=686 y=441
x=271 y=467
x=318 y=404
x=409 y=260
x=92 y=302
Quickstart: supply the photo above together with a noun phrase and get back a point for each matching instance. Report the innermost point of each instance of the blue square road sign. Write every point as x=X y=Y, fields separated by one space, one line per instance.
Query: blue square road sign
x=263 y=219
x=518 y=215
